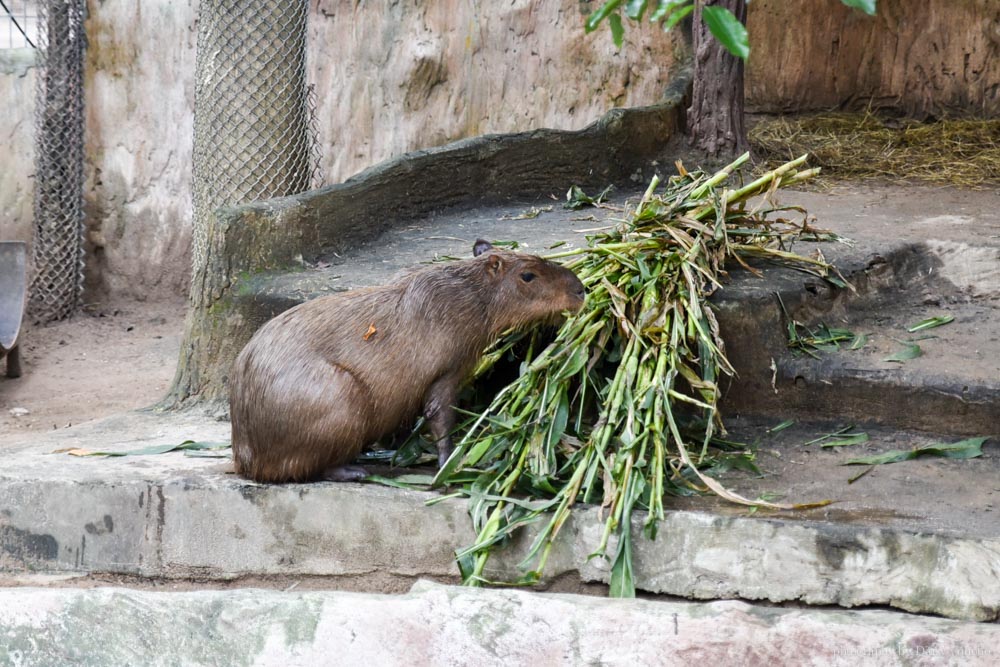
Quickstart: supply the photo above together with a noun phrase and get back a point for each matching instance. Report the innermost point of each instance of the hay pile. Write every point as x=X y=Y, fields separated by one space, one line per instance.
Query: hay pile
x=964 y=153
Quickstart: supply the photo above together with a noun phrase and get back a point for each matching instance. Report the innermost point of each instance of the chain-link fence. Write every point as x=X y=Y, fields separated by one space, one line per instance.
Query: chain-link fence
x=57 y=250
x=253 y=128
x=18 y=24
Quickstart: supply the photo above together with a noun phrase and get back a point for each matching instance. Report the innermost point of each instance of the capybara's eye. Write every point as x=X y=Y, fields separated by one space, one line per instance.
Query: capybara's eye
x=527 y=276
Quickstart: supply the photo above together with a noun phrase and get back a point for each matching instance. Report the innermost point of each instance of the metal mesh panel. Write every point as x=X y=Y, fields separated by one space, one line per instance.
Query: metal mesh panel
x=18 y=23
x=57 y=250
x=253 y=136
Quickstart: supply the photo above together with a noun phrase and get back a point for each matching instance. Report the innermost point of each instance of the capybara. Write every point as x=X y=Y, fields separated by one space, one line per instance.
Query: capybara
x=329 y=377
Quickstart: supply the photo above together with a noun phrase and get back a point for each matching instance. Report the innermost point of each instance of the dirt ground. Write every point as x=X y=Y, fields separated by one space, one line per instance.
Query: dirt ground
x=108 y=358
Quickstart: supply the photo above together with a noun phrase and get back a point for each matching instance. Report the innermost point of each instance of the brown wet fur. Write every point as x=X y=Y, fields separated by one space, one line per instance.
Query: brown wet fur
x=327 y=378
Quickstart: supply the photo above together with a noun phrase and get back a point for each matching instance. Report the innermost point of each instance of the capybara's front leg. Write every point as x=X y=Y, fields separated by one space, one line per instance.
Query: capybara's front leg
x=439 y=411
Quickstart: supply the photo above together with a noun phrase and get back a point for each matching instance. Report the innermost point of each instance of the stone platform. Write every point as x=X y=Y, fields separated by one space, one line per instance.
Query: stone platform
x=921 y=535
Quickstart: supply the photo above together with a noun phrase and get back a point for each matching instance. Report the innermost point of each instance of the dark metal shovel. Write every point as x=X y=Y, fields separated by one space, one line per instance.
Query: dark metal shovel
x=13 y=291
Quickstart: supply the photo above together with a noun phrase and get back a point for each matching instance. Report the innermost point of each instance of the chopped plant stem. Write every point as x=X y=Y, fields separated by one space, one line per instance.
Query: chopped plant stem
x=782 y=426
x=620 y=406
x=931 y=322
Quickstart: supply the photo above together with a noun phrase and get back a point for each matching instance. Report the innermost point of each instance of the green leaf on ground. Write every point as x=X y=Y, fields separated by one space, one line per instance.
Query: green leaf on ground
x=782 y=426
x=576 y=198
x=964 y=449
x=931 y=322
x=846 y=441
x=839 y=438
x=413 y=482
x=910 y=351
x=859 y=342
x=145 y=451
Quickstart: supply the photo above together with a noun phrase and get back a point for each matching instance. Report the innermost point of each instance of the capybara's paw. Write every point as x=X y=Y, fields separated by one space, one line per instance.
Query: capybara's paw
x=345 y=474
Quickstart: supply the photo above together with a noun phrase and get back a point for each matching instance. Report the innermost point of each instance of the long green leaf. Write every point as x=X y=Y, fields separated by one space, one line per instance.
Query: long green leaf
x=154 y=449
x=846 y=441
x=600 y=14
x=664 y=7
x=867 y=6
x=617 y=31
x=676 y=17
x=964 y=449
x=727 y=29
x=635 y=9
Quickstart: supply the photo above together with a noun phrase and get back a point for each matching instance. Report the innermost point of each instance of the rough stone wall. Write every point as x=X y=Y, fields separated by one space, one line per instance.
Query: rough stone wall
x=139 y=81
x=17 y=92
x=931 y=58
x=389 y=78
x=392 y=77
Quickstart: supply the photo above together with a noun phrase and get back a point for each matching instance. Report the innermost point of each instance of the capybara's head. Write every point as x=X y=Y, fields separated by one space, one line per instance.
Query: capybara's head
x=527 y=289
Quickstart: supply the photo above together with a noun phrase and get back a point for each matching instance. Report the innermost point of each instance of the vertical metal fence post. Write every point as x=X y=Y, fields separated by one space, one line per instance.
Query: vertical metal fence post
x=57 y=250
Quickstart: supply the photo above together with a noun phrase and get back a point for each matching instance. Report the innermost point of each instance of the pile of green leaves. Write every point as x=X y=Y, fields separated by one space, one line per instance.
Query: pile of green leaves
x=622 y=406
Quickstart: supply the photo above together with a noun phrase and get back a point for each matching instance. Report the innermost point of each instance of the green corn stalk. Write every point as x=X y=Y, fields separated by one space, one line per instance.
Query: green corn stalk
x=610 y=410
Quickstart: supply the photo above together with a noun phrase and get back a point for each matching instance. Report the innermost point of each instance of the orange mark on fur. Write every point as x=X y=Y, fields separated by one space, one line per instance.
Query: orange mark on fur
x=371 y=331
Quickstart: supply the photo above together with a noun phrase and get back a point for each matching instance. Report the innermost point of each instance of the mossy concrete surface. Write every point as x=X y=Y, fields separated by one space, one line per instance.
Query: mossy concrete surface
x=446 y=625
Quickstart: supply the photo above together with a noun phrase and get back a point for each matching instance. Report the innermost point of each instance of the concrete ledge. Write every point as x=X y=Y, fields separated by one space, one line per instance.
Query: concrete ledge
x=170 y=516
x=443 y=625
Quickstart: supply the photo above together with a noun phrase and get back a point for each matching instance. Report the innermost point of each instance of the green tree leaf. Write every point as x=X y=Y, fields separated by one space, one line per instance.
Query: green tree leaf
x=600 y=14
x=617 y=32
x=677 y=17
x=727 y=29
x=867 y=6
x=635 y=9
x=665 y=7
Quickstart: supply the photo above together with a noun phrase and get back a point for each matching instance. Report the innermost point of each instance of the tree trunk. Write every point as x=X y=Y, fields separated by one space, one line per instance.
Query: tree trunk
x=251 y=142
x=715 y=118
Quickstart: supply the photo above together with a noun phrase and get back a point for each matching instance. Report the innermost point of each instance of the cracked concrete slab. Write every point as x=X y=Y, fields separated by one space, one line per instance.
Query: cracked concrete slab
x=445 y=625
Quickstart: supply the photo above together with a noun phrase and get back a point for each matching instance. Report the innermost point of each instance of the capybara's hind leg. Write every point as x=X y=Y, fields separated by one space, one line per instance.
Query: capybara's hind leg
x=301 y=429
x=341 y=434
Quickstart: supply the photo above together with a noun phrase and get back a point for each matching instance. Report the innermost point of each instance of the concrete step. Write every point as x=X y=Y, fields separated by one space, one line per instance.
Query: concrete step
x=921 y=536
x=952 y=387
x=912 y=546
x=903 y=268
x=446 y=625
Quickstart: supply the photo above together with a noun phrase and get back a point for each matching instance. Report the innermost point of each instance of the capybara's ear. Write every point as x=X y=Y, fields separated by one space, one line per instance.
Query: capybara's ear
x=481 y=246
x=494 y=265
